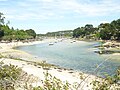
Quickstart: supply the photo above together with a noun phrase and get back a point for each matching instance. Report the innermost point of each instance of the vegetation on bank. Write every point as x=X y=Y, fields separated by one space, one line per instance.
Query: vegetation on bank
x=9 y=34
x=57 y=34
x=8 y=76
x=105 y=31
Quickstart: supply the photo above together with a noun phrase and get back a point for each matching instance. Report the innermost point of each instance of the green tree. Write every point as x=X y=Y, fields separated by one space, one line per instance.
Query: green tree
x=1 y=23
x=2 y=19
x=106 y=31
x=78 y=32
x=31 y=32
x=84 y=31
x=116 y=28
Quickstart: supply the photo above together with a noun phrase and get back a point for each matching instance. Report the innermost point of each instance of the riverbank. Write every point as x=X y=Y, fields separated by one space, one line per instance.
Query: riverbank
x=36 y=67
x=109 y=47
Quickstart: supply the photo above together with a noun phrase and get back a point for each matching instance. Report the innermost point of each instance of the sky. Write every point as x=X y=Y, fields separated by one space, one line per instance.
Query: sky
x=55 y=15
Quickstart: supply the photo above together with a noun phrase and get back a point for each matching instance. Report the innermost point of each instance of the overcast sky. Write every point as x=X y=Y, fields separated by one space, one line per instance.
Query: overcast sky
x=54 y=15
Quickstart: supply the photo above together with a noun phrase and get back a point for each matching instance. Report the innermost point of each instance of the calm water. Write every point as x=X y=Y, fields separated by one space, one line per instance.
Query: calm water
x=79 y=56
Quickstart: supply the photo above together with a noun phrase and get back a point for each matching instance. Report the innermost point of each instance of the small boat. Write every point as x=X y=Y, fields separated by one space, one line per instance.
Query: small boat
x=55 y=42
x=51 y=43
x=74 y=41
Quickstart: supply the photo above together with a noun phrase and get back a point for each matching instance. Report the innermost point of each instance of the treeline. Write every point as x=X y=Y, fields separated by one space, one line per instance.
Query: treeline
x=84 y=32
x=105 y=31
x=9 y=34
x=66 y=33
x=57 y=34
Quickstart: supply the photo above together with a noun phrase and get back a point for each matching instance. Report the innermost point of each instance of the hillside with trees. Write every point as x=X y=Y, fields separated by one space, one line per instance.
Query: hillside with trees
x=66 y=33
x=58 y=34
x=105 y=31
x=9 y=34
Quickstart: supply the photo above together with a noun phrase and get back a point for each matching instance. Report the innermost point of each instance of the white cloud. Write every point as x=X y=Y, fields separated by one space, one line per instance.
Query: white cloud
x=92 y=9
x=47 y=9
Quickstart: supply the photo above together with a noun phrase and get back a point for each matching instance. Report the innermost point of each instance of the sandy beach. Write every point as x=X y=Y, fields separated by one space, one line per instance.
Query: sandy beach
x=31 y=65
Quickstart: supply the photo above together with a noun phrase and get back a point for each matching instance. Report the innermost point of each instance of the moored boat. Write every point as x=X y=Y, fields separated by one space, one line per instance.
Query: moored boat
x=51 y=43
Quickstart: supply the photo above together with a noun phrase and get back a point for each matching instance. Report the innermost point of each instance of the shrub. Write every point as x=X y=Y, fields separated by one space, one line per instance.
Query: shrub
x=8 y=76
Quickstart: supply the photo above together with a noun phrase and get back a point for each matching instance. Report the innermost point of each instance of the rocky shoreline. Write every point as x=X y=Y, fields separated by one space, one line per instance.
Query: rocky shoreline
x=109 y=47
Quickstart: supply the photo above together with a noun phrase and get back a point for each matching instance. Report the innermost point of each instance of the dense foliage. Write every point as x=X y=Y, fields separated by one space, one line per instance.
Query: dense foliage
x=9 y=34
x=84 y=32
x=105 y=31
x=1 y=23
